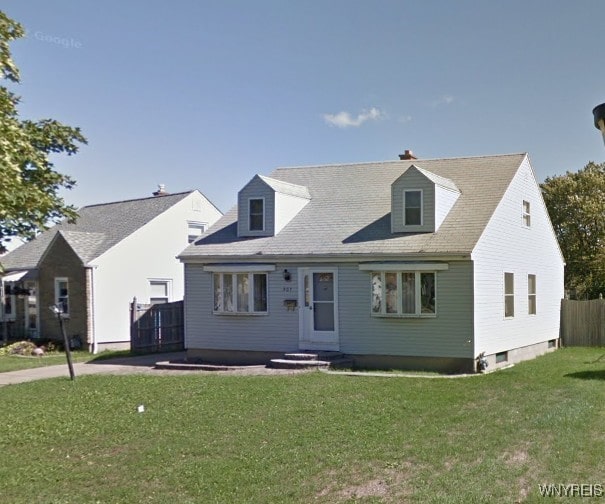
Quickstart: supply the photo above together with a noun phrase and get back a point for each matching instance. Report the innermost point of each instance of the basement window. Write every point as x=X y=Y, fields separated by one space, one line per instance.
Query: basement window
x=501 y=357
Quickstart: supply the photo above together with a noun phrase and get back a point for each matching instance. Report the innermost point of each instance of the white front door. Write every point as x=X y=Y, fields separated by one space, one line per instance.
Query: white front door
x=318 y=301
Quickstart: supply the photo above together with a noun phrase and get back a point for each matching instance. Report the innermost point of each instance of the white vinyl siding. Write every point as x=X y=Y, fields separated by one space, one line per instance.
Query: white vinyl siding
x=505 y=246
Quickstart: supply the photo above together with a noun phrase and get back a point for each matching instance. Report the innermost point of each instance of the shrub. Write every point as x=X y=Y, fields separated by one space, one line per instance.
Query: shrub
x=19 y=348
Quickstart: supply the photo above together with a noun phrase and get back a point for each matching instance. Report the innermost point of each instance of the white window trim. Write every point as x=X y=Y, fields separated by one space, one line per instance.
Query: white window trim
x=532 y=294
x=233 y=275
x=506 y=295
x=421 y=207
x=203 y=226
x=403 y=266
x=166 y=281
x=239 y=268
x=57 y=281
x=526 y=214
x=250 y=216
x=417 y=291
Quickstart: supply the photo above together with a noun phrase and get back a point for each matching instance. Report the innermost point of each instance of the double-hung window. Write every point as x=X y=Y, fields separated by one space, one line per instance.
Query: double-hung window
x=236 y=292
x=531 y=294
x=404 y=293
x=62 y=294
x=194 y=231
x=509 y=295
x=256 y=209
x=412 y=207
x=526 y=214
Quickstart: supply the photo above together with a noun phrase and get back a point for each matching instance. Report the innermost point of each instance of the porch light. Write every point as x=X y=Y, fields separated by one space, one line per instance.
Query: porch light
x=287 y=275
x=599 y=118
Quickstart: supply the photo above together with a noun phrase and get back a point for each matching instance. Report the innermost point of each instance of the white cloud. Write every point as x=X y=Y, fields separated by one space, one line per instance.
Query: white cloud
x=443 y=100
x=345 y=120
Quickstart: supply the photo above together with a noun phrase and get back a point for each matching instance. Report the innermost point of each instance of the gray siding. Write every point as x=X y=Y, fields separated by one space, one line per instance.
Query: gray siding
x=413 y=179
x=447 y=335
x=276 y=331
x=256 y=188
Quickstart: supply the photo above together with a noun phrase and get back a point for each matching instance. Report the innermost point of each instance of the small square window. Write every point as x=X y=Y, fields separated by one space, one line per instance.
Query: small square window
x=195 y=230
x=501 y=357
x=159 y=291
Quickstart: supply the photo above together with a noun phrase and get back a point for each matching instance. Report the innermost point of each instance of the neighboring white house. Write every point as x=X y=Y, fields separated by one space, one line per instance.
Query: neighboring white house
x=409 y=263
x=96 y=266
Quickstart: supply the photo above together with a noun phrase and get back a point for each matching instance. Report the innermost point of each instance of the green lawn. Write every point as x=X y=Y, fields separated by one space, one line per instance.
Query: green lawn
x=307 y=438
x=16 y=362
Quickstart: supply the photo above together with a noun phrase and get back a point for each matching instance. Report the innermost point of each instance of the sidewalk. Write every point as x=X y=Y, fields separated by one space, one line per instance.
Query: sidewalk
x=122 y=365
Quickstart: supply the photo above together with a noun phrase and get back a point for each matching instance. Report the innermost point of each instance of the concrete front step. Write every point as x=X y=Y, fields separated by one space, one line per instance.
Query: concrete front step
x=300 y=360
x=297 y=364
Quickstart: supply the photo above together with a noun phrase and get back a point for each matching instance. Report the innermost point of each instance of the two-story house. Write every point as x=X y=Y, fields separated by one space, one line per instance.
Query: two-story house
x=415 y=263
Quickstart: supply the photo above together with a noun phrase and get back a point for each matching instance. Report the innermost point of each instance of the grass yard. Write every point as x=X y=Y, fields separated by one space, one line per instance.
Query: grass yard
x=16 y=362
x=307 y=438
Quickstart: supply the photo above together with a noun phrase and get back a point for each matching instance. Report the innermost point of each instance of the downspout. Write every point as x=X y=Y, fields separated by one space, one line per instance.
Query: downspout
x=91 y=339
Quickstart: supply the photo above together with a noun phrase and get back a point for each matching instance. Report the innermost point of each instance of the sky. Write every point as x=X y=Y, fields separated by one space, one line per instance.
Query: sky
x=204 y=94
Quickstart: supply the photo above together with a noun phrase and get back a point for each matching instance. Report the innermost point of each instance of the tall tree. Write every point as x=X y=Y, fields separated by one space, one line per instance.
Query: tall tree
x=29 y=183
x=576 y=204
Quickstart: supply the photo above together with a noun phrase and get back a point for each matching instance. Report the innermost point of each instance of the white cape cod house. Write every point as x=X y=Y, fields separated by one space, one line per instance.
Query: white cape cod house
x=416 y=263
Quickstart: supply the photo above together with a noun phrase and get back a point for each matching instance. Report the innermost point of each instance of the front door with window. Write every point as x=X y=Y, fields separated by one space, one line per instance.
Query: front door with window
x=318 y=301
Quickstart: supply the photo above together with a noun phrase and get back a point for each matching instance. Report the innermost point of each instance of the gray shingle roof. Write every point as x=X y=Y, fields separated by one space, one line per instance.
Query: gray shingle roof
x=286 y=187
x=97 y=229
x=349 y=211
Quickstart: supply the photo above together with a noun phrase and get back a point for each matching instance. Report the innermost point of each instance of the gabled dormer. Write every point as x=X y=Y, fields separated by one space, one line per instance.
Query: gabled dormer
x=420 y=201
x=266 y=205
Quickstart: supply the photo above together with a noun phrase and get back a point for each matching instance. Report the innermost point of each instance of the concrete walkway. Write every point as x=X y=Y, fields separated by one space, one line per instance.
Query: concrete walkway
x=122 y=365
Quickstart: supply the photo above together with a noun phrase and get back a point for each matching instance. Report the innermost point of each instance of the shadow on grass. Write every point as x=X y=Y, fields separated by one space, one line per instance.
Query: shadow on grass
x=595 y=374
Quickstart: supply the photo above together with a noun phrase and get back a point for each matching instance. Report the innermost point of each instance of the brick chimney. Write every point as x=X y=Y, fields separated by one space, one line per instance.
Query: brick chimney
x=407 y=155
x=161 y=190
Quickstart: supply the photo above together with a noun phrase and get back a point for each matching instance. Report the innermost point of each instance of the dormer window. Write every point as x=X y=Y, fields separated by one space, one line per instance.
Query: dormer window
x=257 y=214
x=412 y=205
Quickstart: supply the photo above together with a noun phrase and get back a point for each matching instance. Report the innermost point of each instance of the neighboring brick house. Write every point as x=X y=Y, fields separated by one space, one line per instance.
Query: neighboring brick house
x=96 y=266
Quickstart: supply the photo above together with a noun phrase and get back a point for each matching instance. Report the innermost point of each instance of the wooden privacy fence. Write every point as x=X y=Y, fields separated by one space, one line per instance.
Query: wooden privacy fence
x=583 y=322
x=157 y=327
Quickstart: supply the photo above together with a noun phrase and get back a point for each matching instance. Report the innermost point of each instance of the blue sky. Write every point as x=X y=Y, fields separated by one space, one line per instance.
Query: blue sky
x=205 y=94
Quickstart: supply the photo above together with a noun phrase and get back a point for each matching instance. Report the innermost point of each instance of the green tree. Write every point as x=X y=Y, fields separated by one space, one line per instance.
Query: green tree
x=29 y=183
x=576 y=204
